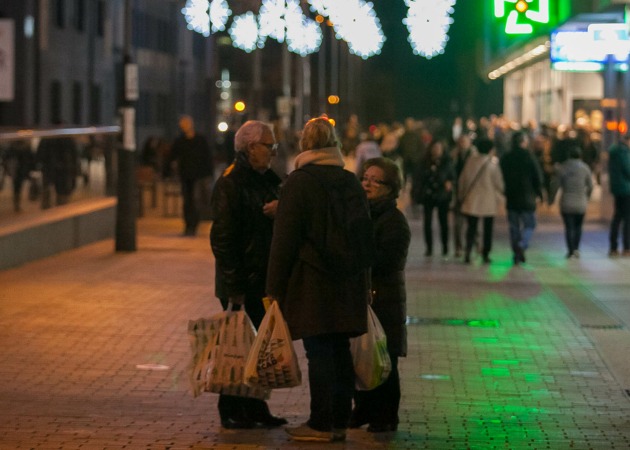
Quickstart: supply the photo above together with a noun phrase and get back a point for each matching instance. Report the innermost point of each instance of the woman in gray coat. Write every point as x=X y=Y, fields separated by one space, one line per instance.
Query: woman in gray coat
x=576 y=182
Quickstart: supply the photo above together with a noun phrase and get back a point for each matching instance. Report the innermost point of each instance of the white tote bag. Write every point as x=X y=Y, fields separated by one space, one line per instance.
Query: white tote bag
x=370 y=356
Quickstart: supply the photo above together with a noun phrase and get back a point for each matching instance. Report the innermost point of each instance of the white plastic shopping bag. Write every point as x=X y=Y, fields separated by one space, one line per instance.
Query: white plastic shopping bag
x=272 y=362
x=220 y=366
x=369 y=355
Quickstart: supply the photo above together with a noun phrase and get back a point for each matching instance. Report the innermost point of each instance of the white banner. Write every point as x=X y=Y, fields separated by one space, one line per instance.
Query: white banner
x=7 y=60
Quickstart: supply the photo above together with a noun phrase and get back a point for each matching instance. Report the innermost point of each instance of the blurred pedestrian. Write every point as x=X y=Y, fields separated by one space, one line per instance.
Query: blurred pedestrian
x=19 y=161
x=463 y=149
x=480 y=187
x=523 y=186
x=59 y=160
x=193 y=157
x=244 y=203
x=433 y=188
x=619 y=177
x=382 y=182
x=576 y=182
x=411 y=148
x=367 y=149
x=322 y=306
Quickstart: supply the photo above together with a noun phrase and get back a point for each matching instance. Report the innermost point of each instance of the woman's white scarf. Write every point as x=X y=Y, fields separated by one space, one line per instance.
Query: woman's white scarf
x=329 y=156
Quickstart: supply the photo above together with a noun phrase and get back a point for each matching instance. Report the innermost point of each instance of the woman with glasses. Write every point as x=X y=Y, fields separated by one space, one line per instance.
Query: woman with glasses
x=382 y=181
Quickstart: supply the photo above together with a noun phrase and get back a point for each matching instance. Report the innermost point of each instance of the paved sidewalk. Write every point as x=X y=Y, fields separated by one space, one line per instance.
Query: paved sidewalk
x=94 y=350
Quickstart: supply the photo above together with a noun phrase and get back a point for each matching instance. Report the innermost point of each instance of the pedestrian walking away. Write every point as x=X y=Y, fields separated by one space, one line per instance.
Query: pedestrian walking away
x=433 y=188
x=480 y=188
x=619 y=177
x=576 y=183
x=244 y=203
x=523 y=186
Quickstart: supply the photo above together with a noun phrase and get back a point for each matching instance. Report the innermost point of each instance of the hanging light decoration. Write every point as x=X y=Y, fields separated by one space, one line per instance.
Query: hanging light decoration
x=244 y=32
x=284 y=20
x=355 y=22
x=304 y=37
x=428 y=22
x=197 y=18
x=219 y=14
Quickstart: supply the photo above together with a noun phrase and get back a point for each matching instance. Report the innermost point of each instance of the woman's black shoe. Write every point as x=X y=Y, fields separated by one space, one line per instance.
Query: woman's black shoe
x=357 y=422
x=233 y=424
x=382 y=427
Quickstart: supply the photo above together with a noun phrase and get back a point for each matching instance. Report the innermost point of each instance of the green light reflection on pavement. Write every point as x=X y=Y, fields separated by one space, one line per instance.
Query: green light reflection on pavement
x=506 y=362
x=495 y=372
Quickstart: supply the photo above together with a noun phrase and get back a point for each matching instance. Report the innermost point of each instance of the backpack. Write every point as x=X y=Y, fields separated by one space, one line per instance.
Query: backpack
x=347 y=246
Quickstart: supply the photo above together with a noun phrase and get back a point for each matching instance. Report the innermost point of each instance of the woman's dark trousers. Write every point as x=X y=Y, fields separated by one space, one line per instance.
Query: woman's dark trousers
x=573 y=231
x=380 y=405
x=471 y=233
x=442 y=211
x=331 y=380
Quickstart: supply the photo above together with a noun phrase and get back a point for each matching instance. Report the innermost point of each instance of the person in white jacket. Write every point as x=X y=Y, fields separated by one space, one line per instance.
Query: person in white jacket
x=480 y=187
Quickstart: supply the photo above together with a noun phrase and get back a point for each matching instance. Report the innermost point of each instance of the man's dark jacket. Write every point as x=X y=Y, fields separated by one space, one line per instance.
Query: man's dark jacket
x=523 y=180
x=241 y=234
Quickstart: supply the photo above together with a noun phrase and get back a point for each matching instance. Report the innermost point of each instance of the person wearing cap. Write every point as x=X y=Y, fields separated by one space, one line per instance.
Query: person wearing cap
x=619 y=177
x=244 y=203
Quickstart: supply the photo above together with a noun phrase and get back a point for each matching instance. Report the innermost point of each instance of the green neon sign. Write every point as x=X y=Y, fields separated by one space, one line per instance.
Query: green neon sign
x=522 y=15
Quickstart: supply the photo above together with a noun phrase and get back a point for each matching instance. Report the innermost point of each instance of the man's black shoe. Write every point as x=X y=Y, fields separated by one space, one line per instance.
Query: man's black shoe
x=232 y=424
x=270 y=421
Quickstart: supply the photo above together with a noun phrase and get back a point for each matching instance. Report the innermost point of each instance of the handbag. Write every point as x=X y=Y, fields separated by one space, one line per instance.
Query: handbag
x=370 y=357
x=220 y=346
x=272 y=361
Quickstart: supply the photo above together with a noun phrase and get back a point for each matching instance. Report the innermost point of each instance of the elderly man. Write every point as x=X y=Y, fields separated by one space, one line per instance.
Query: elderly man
x=244 y=204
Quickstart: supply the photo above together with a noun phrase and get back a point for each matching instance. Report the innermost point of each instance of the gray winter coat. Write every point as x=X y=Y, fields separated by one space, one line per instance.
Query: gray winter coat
x=574 y=178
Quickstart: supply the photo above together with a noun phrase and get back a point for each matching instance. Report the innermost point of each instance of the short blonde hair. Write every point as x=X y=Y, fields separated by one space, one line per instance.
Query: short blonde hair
x=318 y=133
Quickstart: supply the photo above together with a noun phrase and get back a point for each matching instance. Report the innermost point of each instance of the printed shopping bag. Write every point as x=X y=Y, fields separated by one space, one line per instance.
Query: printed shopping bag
x=272 y=362
x=220 y=346
x=369 y=355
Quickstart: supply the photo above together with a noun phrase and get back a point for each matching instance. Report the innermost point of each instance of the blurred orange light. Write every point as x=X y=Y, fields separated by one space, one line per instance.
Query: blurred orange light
x=521 y=6
x=319 y=18
x=239 y=106
x=333 y=99
x=623 y=127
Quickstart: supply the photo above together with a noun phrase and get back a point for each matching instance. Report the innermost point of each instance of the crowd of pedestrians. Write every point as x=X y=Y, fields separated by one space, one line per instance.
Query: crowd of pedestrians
x=469 y=171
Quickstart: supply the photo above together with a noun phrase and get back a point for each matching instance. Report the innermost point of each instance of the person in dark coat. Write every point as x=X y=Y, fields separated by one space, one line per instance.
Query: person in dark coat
x=193 y=156
x=523 y=185
x=381 y=180
x=19 y=161
x=244 y=203
x=59 y=160
x=322 y=308
x=619 y=178
x=433 y=184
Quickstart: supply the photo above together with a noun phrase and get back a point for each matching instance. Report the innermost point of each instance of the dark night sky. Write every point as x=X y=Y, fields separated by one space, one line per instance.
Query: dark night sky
x=444 y=86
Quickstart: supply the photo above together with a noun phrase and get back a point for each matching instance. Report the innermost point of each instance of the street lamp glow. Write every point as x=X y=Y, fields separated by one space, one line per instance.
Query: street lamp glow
x=222 y=127
x=239 y=106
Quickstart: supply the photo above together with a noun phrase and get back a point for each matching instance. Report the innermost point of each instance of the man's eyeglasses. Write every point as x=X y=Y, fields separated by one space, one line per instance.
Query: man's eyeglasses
x=373 y=181
x=272 y=147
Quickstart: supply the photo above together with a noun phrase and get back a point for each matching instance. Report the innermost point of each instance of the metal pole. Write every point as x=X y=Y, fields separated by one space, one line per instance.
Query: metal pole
x=126 y=208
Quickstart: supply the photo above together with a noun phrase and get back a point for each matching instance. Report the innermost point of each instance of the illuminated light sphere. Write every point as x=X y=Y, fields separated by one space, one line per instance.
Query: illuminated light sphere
x=355 y=22
x=222 y=127
x=244 y=32
x=304 y=36
x=239 y=106
x=428 y=23
x=196 y=15
x=219 y=14
x=284 y=20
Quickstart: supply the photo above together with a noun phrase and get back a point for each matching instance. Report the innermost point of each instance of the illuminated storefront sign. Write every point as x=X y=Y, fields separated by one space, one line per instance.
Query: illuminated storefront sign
x=590 y=49
x=522 y=16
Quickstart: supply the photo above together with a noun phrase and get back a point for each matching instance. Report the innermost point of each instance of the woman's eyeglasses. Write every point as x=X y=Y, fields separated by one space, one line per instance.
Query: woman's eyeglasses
x=373 y=181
